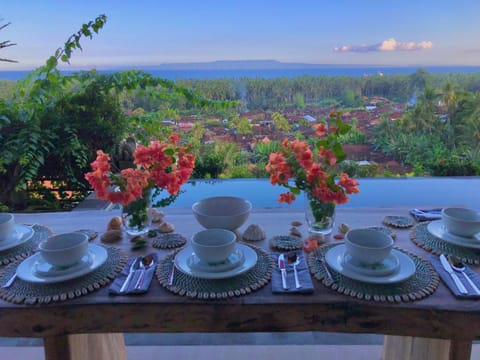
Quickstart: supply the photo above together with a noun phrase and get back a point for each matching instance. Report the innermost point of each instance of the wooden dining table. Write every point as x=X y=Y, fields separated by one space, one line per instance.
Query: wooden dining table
x=438 y=326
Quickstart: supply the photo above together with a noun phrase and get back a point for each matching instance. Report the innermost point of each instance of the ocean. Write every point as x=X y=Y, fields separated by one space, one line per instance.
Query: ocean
x=275 y=73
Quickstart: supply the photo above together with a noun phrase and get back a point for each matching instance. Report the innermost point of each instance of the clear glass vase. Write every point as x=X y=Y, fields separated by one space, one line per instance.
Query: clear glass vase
x=136 y=216
x=320 y=216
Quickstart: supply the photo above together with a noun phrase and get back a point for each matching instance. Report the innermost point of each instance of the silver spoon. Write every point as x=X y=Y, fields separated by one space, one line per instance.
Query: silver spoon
x=146 y=263
x=294 y=259
x=459 y=267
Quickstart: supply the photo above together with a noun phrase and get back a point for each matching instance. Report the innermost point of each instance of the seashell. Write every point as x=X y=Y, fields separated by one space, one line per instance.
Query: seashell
x=156 y=215
x=111 y=236
x=254 y=233
x=295 y=232
x=343 y=228
x=115 y=223
x=137 y=238
x=296 y=223
x=165 y=227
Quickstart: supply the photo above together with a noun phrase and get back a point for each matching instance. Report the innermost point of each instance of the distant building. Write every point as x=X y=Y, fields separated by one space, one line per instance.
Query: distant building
x=310 y=118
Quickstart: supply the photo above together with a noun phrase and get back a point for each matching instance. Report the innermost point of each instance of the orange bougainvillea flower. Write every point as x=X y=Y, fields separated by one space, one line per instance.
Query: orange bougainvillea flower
x=287 y=197
x=320 y=129
x=313 y=169
x=162 y=164
x=311 y=244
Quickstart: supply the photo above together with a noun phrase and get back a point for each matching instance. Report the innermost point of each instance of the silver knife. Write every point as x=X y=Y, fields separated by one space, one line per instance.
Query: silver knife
x=448 y=268
x=283 y=270
x=131 y=272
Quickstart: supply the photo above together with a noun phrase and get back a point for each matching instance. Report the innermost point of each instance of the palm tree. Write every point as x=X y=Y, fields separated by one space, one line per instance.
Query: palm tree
x=6 y=43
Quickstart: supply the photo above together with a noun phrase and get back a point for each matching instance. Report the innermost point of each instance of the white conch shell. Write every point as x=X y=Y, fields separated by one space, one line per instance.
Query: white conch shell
x=166 y=227
x=156 y=215
x=254 y=233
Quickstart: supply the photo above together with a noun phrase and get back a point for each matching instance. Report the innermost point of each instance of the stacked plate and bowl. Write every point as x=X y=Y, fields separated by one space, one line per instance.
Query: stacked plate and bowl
x=214 y=253
x=458 y=226
x=368 y=255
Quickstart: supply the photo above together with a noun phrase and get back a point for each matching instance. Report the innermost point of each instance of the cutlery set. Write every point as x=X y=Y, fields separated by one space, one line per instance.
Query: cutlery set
x=453 y=268
x=295 y=261
x=139 y=265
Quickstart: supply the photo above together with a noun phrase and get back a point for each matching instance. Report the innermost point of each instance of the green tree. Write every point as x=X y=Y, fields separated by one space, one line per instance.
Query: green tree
x=280 y=122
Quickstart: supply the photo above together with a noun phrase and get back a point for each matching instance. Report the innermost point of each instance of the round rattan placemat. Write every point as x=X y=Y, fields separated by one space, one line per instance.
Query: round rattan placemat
x=286 y=243
x=23 y=292
x=192 y=287
x=27 y=248
x=422 y=284
x=168 y=241
x=424 y=239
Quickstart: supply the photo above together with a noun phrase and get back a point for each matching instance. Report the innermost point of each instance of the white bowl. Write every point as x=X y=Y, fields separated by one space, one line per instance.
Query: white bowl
x=7 y=225
x=64 y=250
x=222 y=212
x=461 y=221
x=368 y=246
x=214 y=245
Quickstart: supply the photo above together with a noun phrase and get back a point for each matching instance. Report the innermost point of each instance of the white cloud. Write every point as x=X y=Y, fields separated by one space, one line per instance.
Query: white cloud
x=386 y=45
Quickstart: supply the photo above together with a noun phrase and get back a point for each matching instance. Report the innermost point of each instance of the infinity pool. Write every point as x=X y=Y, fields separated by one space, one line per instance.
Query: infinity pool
x=374 y=192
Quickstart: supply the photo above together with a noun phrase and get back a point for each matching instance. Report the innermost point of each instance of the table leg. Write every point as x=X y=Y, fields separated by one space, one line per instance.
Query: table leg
x=414 y=348
x=85 y=347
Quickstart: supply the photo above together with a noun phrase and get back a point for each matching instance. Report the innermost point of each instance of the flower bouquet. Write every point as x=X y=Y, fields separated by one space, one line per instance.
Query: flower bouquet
x=162 y=165
x=299 y=167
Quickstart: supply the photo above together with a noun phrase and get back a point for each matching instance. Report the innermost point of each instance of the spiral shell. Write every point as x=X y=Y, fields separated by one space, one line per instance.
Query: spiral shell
x=115 y=223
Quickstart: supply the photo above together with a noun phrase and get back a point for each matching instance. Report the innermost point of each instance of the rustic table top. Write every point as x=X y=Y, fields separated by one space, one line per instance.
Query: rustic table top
x=439 y=315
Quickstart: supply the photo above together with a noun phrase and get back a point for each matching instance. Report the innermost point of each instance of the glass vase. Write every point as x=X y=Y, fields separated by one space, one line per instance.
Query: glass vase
x=320 y=216
x=136 y=216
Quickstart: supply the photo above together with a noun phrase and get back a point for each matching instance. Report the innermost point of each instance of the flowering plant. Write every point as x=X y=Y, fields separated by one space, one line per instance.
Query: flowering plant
x=314 y=169
x=161 y=164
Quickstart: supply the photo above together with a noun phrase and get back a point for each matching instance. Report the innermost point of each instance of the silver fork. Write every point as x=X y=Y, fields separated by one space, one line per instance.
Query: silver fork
x=325 y=267
x=10 y=281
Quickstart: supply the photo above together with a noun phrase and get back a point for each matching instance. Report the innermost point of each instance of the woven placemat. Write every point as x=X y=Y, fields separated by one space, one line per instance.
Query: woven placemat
x=397 y=221
x=424 y=239
x=192 y=287
x=23 y=292
x=422 y=284
x=286 y=243
x=168 y=241
x=27 y=248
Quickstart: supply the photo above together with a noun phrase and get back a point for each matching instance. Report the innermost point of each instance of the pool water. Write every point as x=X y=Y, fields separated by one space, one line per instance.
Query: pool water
x=374 y=192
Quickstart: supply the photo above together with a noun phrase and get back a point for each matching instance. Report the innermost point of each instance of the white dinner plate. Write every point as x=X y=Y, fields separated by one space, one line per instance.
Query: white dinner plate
x=20 y=234
x=383 y=268
x=41 y=268
x=234 y=260
x=334 y=258
x=27 y=270
x=182 y=263
x=438 y=229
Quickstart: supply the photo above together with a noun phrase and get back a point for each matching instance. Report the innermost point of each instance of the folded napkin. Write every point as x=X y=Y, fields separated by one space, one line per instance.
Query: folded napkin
x=115 y=287
x=426 y=215
x=447 y=279
x=303 y=277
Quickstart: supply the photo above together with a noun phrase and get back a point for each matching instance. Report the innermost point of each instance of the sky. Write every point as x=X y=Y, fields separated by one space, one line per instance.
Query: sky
x=149 y=32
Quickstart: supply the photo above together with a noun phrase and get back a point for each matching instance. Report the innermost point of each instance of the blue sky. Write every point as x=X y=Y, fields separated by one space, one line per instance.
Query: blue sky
x=144 y=32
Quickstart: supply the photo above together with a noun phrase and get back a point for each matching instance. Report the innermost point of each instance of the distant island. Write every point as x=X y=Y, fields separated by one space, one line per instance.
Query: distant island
x=249 y=64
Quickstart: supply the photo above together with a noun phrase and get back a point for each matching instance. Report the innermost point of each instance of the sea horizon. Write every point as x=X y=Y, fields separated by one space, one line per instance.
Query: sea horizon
x=266 y=73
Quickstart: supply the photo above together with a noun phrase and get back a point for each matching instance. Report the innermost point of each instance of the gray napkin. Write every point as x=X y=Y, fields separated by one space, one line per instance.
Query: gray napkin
x=426 y=215
x=447 y=279
x=303 y=276
x=114 y=289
